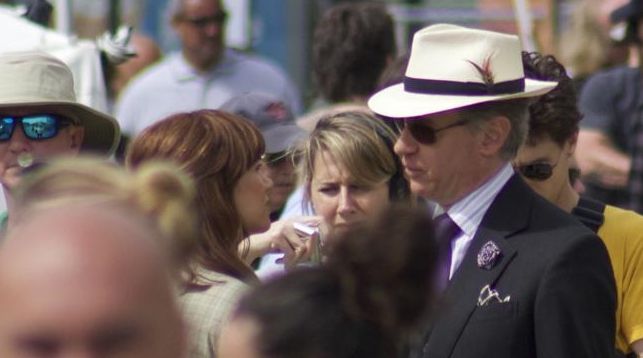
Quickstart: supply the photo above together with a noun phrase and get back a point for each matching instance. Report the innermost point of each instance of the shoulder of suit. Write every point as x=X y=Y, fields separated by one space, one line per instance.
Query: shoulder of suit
x=560 y=223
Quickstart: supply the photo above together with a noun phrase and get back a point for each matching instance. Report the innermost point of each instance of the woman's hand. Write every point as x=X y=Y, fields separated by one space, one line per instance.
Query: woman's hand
x=282 y=237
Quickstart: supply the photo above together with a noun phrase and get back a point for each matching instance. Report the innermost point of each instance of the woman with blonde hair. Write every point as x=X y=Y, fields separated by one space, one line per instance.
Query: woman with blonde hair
x=222 y=152
x=349 y=169
x=349 y=173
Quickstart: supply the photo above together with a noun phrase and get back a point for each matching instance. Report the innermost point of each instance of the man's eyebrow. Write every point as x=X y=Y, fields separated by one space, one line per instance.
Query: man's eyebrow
x=114 y=335
x=44 y=342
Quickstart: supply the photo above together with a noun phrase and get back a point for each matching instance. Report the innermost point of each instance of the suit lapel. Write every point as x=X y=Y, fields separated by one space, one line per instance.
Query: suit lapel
x=503 y=219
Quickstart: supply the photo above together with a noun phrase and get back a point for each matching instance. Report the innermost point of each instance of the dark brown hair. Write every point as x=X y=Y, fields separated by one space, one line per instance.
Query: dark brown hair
x=216 y=148
x=374 y=289
x=351 y=46
x=555 y=115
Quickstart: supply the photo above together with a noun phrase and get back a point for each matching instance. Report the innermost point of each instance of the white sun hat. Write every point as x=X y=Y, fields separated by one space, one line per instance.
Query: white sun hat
x=34 y=80
x=451 y=67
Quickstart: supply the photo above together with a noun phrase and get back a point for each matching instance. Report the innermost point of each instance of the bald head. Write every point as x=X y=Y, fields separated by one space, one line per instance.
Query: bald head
x=86 y=282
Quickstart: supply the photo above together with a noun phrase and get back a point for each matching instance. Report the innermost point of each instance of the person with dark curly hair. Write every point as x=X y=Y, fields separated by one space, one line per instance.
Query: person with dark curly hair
x=544 y=162
x=352 y=45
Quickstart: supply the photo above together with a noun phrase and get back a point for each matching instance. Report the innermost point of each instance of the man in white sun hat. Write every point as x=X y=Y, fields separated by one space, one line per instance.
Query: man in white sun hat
x=519 y=277
x=40 y=118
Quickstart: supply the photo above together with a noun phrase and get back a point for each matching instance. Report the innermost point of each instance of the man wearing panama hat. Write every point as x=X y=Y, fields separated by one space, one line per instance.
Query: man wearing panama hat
x=40 y=117
x=519 y=277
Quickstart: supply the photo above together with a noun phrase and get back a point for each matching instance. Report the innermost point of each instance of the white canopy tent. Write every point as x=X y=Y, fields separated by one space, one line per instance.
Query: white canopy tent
x=82 y=56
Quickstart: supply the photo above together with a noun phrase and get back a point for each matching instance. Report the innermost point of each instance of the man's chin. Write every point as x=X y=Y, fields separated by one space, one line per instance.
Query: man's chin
x=423 y=190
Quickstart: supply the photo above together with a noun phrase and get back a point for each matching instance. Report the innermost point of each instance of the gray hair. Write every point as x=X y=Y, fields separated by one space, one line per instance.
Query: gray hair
x=515 y=110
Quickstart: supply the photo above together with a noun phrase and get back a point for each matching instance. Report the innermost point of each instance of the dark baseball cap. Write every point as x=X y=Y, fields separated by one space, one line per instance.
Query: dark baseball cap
x=273 y=117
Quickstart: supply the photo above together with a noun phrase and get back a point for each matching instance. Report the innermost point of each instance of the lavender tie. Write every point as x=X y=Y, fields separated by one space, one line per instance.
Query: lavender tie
x=445 y=231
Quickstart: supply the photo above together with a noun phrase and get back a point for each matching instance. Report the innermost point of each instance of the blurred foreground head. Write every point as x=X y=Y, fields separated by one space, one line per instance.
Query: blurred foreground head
x=86 y=270
x=364 y=302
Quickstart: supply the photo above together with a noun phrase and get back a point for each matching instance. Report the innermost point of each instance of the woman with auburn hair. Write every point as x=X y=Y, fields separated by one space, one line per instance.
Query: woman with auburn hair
x=222 y=152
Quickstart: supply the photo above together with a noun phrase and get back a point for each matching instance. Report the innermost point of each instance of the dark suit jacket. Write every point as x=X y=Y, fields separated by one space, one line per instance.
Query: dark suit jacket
x=559 y=278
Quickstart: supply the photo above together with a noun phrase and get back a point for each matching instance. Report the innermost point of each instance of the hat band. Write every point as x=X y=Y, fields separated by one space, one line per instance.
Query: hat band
x=439 y=87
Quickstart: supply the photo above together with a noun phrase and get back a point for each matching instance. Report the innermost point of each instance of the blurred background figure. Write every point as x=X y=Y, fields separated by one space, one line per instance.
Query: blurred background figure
x=349 y=174
x=222 y=153
x=365 y=301
x=352 y=44
x=89 y=269
x=394 y=71
x=585 y=45
x=545 y=160
x=610 y=141
x=276 y=123
x=147 y=53
x=204 y=74
x=40 y=118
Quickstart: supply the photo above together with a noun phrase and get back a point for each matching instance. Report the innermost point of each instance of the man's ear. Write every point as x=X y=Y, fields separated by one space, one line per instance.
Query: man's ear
x=77 y=135
x=494 y=134
x=571 y=142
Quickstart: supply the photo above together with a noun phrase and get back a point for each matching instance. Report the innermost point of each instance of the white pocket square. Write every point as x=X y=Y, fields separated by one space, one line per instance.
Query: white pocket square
x=489 y=295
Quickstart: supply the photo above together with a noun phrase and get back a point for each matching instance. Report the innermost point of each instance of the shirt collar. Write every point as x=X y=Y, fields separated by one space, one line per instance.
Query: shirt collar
x=183 y=71
x=469 y=211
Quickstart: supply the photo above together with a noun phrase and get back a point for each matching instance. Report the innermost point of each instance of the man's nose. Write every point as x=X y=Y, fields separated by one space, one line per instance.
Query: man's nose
x=212 y=28
x=405 y=143
x=18 y=142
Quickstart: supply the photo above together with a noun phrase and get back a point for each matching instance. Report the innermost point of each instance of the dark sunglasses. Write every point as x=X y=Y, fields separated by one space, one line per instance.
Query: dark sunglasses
x=423 y=133
x=537 y=171
x=34 y=126
x=574 y=175
x=201 y=22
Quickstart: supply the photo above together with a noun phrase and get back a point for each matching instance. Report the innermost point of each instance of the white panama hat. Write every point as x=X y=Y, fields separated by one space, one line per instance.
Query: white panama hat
x=36 y=80
x=451 y=67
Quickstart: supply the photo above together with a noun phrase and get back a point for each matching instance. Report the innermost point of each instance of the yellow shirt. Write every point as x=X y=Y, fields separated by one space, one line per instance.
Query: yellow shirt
x=622 y=233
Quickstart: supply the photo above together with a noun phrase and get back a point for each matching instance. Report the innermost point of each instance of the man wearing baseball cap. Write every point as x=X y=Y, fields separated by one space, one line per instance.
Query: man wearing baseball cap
x=41 y=118
x=276 y=123
x=519 y=277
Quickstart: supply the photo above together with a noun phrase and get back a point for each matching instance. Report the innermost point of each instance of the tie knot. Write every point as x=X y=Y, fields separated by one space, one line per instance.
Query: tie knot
x=445 y=229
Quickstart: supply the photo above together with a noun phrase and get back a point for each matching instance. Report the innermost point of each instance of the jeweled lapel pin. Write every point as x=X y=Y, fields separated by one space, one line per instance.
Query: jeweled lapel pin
x=489 y=255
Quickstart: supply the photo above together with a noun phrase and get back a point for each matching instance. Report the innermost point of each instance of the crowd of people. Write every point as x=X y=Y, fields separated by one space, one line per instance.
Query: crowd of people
x=429 y=206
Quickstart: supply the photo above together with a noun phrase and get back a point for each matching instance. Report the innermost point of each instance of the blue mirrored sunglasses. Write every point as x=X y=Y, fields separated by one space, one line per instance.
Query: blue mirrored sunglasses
x=34 y=126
